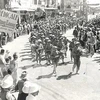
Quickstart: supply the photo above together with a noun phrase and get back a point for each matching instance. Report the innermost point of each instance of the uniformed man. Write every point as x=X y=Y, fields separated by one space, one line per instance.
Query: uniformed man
x=76 y=55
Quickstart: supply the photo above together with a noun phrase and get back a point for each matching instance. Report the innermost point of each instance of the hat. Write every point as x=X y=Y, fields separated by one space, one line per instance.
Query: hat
x=30 y=87
x=77 y=43
x=47 y=38
x=43 y=36
x=49 y=41
x=34 y=37
x=7 y=81
x=23 y=75
x=39 y=40
x=54 y=47
x=73 y=39
x=7 y=51
x=15 y=55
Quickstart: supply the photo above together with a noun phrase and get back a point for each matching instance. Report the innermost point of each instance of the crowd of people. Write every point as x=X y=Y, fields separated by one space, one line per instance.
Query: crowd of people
x=88 y=34
x=47 y=42
x=9 y=82
x=86 y=41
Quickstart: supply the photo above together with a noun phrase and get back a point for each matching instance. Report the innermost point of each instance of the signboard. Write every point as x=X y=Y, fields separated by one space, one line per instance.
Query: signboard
x=8 y=21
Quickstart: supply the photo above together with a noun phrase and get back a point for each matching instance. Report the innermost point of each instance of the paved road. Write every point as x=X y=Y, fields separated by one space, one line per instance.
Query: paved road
x=78 y=87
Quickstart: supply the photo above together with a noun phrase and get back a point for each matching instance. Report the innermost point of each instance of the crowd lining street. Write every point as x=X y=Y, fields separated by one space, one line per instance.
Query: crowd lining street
x=84 y=86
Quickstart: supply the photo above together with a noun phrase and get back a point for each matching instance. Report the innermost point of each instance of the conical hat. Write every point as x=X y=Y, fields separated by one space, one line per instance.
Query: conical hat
x=7 y=81
x=30 y=87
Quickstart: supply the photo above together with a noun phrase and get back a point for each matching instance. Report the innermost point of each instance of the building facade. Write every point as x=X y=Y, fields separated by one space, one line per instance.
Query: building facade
x=3 y=4
x=74 y=4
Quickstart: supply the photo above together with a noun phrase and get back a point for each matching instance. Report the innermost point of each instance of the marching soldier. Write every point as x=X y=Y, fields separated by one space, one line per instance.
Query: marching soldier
x=76 y=55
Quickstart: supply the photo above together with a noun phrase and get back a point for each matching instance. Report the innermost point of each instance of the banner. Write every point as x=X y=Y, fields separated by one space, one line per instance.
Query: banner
x=8 y=21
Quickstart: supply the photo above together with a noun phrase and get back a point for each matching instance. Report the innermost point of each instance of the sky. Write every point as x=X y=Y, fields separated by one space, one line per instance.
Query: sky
x=93 y=1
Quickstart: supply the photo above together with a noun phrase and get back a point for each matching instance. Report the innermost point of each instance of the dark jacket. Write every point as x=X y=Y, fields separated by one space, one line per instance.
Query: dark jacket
x=18 y=87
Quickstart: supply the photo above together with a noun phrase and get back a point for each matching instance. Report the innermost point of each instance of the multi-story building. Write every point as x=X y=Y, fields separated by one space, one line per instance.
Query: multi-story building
x=74 y=4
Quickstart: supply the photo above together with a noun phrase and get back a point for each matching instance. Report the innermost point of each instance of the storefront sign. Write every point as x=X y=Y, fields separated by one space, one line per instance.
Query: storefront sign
x=8 y=21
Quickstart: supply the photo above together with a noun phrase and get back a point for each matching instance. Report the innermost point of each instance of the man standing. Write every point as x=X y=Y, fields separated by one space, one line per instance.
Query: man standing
x=0 y=40
x=55 y=59
x=2 y=62
x=48 y=48
x=76 y=55
x=75 y=32
x=71 y=46
x=19 y=86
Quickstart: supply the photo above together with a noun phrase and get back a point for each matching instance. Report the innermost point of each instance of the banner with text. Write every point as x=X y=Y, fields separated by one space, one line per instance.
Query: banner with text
x=8 y=21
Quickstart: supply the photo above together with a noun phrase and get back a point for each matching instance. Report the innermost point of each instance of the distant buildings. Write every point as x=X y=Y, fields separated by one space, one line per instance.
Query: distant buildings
x=74 y=4
x=33 y=4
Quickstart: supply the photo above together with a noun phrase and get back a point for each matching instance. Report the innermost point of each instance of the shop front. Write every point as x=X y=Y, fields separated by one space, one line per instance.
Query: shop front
x=51 y=12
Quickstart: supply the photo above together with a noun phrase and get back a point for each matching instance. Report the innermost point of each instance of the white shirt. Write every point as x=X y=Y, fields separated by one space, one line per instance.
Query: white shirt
x=2 y=60
x=31 y=97
x=9 y=96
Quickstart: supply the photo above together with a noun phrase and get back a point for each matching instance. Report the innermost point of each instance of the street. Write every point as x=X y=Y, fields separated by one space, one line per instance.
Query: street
x=85 y=86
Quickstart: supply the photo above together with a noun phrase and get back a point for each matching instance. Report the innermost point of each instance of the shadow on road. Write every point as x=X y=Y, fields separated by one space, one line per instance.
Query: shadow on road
x=33 y=66
x=65 y=63
x=97 y=59
x=25 y=55
x=38 y=65
x=27 y=66
x=45 y=76
x=66 y=76
x=26 y=49
x=23 y=59
x=23 y=52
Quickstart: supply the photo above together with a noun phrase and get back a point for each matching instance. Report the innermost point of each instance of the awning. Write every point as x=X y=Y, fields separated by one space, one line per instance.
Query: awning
x=22 y=9
x=94 y=6
x=50 y=8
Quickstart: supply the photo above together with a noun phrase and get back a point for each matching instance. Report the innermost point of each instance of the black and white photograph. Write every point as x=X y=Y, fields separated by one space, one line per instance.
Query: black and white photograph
x=49 y=49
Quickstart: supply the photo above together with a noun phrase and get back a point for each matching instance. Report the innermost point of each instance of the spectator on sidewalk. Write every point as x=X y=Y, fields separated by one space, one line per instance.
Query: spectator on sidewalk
x=32 y=89
x=19 y=86
x=0 y=40
x=14 y=67
x=2 y=62
x=6 y=86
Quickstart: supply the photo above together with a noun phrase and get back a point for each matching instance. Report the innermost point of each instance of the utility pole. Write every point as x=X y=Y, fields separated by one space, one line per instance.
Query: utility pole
x=85 y=10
